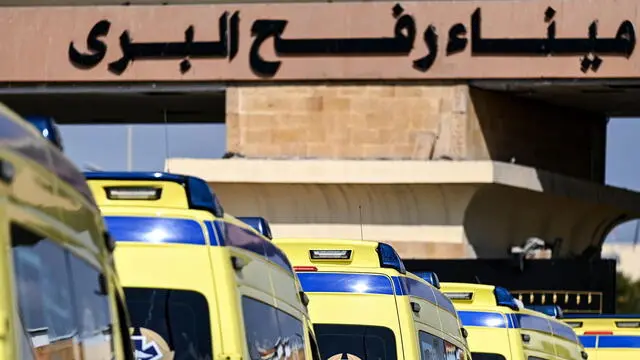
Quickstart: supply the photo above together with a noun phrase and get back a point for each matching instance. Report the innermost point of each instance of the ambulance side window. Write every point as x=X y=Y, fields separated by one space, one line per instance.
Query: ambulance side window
x=61 y=298
x=261 y=327
x=431 y=347
x=270 y=330
x=435 y=348
x=292 y=330
x=91 y=301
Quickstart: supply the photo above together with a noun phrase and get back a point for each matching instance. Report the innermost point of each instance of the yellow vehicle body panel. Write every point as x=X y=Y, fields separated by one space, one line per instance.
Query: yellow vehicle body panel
x=499 y=332
x=608 y=337
x=60 y=296
x=355 y=300
x=246 y=282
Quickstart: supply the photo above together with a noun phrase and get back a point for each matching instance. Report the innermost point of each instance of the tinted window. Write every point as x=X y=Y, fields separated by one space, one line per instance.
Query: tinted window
x=61 y=300
x=435 y=348
x=291 y=330
x=271 y=332
x=167 y=321
x=366 y=342
x=92 y=303
x=431 y=347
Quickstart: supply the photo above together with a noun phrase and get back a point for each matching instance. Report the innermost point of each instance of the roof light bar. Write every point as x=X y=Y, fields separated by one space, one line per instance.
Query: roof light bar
x=389 y=258
x=330 y=254
x=133 y=193
x=459 y=295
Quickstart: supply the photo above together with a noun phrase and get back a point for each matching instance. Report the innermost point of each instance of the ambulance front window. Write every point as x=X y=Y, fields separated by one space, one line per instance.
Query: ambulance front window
x=358 y=342
x=170 y=324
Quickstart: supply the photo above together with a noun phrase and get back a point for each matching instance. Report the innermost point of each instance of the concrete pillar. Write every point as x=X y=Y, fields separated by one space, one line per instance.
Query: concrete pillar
x=420 y=122
x=528 y=132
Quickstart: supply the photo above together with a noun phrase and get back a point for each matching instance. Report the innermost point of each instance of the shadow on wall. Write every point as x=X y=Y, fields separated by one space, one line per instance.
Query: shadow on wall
x=534 y=133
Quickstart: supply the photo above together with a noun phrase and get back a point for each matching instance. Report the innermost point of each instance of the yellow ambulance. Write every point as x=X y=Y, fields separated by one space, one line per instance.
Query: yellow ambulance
x=365 y=305
x=608 y=336
x=60 y=296
x=199 y=283
x=500 y=328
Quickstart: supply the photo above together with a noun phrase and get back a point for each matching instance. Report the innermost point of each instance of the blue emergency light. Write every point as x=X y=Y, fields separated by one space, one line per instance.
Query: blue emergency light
x=389 y=258
x=504 y=298
x=551 y=310
x=430 y=277
x=258 y=223
x=48 y=128
x=199 y=194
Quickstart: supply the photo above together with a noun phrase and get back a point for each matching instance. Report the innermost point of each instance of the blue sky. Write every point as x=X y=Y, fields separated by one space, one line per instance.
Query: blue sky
x=106 y=146
x=623 y=138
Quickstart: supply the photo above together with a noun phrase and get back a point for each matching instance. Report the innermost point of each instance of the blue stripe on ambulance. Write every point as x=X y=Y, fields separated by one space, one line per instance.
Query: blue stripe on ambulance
x=161 y=230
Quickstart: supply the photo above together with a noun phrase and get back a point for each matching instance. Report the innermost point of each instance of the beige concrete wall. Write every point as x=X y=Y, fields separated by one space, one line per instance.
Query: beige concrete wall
x=413 y=122
x=334 y=121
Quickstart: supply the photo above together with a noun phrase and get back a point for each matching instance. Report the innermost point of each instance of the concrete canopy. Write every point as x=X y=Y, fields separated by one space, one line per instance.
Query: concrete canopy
x=426 y=209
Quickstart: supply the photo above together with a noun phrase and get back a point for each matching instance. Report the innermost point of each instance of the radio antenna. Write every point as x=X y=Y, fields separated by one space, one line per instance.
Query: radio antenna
x=166 y=140
x=478 y=279
x=361 y=231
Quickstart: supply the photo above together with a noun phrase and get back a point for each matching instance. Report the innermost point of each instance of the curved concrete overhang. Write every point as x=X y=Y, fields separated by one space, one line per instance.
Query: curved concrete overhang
x=469 y=208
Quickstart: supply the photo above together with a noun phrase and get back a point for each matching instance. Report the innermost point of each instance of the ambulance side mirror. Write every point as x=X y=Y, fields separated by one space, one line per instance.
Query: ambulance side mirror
x=304 y=298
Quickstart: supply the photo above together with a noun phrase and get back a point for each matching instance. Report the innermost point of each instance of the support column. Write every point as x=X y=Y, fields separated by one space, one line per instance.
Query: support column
x=419 y=122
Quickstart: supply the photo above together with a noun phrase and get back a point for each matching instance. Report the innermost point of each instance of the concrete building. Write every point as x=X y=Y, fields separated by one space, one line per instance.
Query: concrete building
x=428 y=137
